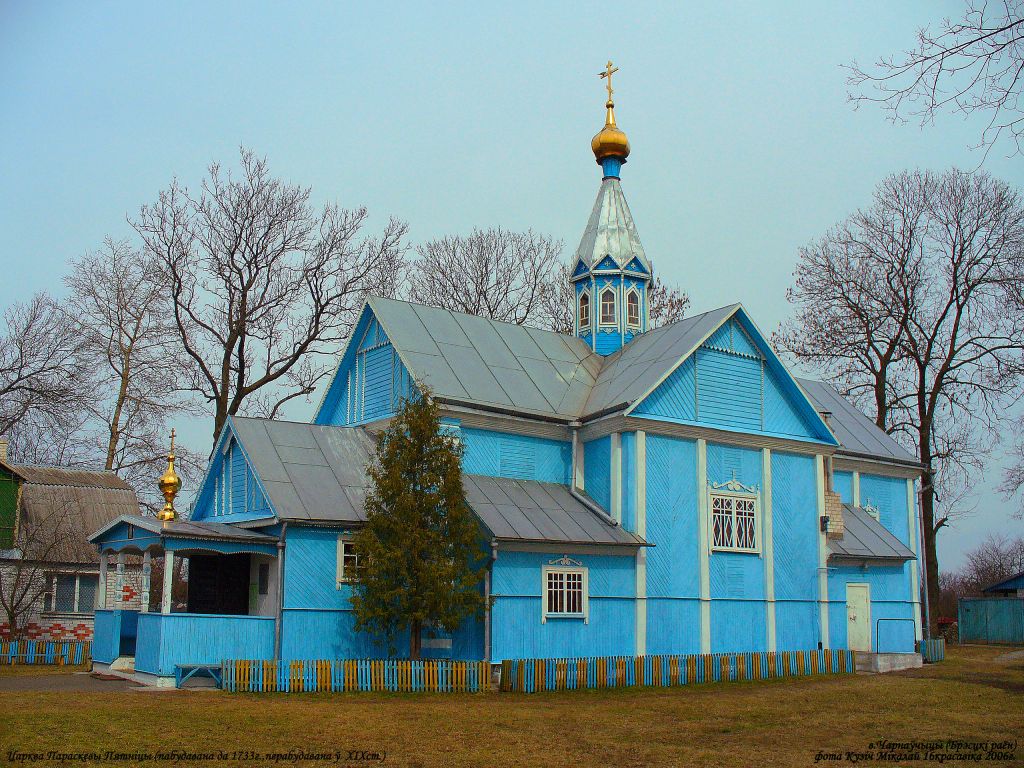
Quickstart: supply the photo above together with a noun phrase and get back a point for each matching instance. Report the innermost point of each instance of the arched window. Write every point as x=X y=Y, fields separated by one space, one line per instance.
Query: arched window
x=584 y=313
x=633 y=309
x=608 y=306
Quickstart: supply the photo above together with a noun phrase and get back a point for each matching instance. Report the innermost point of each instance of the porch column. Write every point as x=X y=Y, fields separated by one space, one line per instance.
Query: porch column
x=147 y=570
x=102 y=599
x=119 y=581
x=165 y=601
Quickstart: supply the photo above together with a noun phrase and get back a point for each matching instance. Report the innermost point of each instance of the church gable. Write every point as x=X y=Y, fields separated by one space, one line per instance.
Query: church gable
x=734 y=381
x=231 y=491
x=371 y=380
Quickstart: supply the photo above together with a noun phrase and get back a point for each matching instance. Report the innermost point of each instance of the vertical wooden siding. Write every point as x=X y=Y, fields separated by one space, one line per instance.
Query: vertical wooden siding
x=347 y=675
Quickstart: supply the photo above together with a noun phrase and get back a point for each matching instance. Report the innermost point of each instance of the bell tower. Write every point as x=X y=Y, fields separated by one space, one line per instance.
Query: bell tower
x=611 y=273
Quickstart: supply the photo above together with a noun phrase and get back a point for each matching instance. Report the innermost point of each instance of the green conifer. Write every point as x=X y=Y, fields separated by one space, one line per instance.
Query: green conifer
x=421 y=553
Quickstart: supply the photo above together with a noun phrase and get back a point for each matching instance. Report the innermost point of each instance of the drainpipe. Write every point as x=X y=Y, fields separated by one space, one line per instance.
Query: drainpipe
x=487 y=601
x=280 y=591
x=926 y=631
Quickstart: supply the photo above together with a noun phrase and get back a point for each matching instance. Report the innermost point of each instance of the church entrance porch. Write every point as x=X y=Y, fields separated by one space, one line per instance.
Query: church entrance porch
x=216 y=599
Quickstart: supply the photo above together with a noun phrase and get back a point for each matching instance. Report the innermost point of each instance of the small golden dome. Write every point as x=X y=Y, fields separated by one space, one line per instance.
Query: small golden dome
x=610 y=140
x=169 y=485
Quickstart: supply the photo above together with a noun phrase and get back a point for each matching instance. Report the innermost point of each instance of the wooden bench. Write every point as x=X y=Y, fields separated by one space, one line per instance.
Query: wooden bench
x=183 y=672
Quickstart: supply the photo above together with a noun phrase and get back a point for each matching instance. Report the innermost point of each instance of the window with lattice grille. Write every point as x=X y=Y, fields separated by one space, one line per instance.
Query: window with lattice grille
x=734 y=522
x=565 y=592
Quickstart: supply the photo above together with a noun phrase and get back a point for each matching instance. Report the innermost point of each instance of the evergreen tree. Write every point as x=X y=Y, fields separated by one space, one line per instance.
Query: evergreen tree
x=420 y=554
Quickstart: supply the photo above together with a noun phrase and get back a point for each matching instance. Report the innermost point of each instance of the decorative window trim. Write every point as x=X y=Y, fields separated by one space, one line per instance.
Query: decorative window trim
x=632 y=293
x=345 y=575
x=568 y=569
x=732 y=493
x=583 y=301
x=608 y=290
x=873 y=511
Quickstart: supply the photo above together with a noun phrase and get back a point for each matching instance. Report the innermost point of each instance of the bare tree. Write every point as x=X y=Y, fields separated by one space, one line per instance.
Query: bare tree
x=120 y=303
x=969 y=65
x=995 y=559
x=492 y=273
x=262 y=284
x=668 y=304
x=23 y=570
x=40 y=375
x=908 y=307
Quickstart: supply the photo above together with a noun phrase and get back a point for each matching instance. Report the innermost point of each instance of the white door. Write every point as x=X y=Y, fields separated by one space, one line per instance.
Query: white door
x=858 y=617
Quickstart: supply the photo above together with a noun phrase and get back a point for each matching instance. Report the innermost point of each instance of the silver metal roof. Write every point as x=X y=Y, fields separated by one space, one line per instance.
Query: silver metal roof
x=635 y=369
x=610 y=230
x=187 y=529
x=310 y=472
x=474 y=360
x=857 y=434
x=529 y=510
x=866 y=539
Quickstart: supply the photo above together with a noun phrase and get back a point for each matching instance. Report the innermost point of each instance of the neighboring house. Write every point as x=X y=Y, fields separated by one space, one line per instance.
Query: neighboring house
x=46 y=514
x=1010 y=587
x=641 y=491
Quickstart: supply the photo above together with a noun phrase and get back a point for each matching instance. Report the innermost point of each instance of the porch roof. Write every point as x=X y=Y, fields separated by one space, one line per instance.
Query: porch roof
x=867 y=540
x=138 y=533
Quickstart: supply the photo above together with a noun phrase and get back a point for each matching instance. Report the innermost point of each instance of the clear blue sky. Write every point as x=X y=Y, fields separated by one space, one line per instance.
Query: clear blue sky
x=457 y=115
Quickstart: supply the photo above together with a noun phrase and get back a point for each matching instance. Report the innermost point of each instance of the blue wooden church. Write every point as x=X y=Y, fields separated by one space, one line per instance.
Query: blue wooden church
x=641 y=490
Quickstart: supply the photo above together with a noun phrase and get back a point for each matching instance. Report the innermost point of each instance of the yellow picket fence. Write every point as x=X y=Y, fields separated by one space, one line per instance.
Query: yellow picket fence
x=399 y=675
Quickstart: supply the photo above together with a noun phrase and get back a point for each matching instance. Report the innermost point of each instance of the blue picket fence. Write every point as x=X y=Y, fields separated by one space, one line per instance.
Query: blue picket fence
x=531 y=675
x=341 y=675
x=45 y=652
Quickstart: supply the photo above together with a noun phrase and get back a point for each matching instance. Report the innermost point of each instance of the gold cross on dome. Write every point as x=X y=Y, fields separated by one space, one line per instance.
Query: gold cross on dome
x=609 y=70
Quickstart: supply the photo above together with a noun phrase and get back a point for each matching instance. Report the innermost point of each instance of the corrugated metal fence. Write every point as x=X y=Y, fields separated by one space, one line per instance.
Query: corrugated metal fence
x=530 y=675
x=436 y=675
x=991 y=620
x=45 y=652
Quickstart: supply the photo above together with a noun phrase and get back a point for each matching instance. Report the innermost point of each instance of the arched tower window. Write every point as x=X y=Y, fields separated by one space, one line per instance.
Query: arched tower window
x=608 y=306
x=584 y=313
x=633 y=308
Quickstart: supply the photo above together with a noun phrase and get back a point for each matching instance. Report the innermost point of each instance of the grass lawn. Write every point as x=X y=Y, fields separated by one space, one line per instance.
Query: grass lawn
x=13 y=670
x=974 y=696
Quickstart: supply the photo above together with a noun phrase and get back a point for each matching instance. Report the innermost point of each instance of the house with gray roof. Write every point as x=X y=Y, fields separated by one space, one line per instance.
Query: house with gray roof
x=641 y=490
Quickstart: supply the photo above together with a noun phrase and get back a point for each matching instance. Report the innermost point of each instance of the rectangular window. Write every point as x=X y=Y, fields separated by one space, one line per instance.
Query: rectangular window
x=633 y=309
x=734 y=522
x=71 y=593
x=565 y=592
x=348 y=560
x=608 y=306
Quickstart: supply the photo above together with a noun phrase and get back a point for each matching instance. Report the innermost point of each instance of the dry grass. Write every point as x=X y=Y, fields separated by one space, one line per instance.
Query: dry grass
x=974 y=695
x=29 y=670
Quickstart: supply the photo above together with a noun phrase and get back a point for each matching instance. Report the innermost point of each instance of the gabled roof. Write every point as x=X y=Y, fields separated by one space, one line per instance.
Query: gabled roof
x=61 y=505
x=638 y=367
x=185 y=529
x=476 y=361
x=1006 y=585
x=857 y=434
x=610 y=231
x=309 y=472
x=529 y=510
x=316 y=473
x=866 y=539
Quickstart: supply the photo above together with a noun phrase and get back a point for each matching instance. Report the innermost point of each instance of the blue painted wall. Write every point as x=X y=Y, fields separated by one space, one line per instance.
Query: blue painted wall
x=889 y=494
x=673 y=576
x=597 y=457
x=500 y=454
x=628 y=485
x=890 y=599
x=518 y=631
x=318 y=622
x=842 y=483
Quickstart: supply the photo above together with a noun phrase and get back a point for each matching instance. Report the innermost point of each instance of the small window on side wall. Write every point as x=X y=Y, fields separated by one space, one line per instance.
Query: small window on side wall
x=348 y=561
x=608 y=306
x=565 y=593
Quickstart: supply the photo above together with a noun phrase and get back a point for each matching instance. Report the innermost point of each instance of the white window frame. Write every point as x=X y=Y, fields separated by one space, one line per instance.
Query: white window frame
x=607 y=290
x=731 y=492
x=584 y=294
x=565 y=566
x=341 y=577
x=631 y=293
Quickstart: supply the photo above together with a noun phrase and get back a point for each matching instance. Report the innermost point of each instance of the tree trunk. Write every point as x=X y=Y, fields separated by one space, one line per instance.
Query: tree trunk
x=928 y=534
x=415 y=639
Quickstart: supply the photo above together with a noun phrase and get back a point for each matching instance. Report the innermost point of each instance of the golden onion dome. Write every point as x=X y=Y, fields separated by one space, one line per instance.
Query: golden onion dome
x=169 y=485
x=610 y=141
